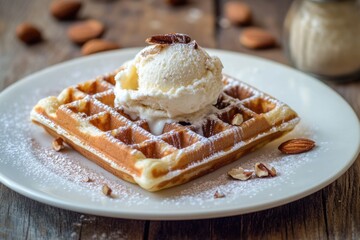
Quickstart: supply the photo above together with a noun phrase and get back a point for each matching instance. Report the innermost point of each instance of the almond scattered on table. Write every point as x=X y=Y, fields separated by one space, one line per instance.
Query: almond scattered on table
x=296 y=146
x=28 y=33
x=98 y=45
x=237 y=13
x=65 y=9
x=256 y=38
x=84 y=31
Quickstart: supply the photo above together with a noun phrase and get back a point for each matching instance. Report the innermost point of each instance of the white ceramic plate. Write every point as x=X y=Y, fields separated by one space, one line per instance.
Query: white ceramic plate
x=29 y=166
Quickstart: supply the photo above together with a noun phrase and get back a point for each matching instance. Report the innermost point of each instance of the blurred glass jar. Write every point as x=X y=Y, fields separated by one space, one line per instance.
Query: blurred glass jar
x=322 y=37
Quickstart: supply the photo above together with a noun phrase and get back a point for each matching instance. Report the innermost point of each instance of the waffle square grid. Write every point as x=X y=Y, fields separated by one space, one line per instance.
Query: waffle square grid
x=86 y=118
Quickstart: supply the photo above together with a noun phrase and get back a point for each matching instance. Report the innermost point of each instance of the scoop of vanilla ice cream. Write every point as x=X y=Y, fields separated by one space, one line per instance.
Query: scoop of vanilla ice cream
x=169 y=81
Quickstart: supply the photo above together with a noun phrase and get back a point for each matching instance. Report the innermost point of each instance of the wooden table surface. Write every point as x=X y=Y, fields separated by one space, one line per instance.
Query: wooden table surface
x=333 y=212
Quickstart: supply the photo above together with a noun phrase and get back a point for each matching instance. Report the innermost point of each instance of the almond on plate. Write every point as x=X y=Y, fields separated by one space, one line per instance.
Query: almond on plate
x=256 y=38
x=297 y=145
x=264 y=170
x=106 y=190
x=98 y=45
x=58 y=144
x=84 y=31
x=219 y=194
x=28 y=33
x=65 y=9
x=240 y=174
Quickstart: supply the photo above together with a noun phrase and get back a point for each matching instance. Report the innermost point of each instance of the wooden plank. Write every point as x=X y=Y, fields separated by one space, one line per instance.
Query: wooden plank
x=292 y=221
x=182 y=230
x=24 y=218
x=342 y=205
x=94 y=227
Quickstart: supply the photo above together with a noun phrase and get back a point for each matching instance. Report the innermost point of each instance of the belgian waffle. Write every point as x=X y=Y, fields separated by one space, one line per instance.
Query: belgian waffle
x=85 y=117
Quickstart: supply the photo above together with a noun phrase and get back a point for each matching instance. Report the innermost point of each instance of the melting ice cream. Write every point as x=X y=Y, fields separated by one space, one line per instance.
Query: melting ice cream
x=175 y=81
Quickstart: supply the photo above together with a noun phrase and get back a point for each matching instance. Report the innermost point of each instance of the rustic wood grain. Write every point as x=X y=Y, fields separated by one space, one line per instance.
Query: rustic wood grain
x=287 y=222
x=195 y=229
x=331 y=213
x=28 y=219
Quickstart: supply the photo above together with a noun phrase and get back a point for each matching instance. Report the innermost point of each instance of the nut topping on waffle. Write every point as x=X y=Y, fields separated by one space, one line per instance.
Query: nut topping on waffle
x=169 y=38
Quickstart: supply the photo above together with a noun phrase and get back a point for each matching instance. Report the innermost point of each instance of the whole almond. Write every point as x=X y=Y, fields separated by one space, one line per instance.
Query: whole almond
x=28 y=33
x=237 y=13
x=98 y=45
x=297 y=145
x=256 y=38
x=65 y=9
x=84 y=31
